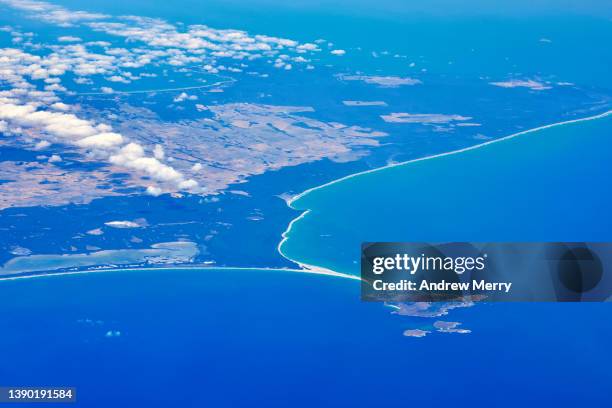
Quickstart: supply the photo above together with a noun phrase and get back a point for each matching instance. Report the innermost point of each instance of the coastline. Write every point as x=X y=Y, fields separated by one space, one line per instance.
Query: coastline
x=465 y=149
x=313 y=271
x=301 y=266
x=291 y=201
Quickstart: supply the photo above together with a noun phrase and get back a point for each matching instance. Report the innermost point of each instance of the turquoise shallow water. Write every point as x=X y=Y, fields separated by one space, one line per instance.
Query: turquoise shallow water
x=547 y=185
x=229 y=338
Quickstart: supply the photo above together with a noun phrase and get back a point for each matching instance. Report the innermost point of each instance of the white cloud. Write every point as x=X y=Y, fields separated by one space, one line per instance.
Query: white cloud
x=184 y=96
x=60 y=106
x=101 y=141
x=69 y=129
x=52 y=13
x=338 y=52
x=83 y=81
x=174 y=45
x=154 y=191
x=69 y=38
x=308 y=47
x=146 y=41
x=132 y=156
x=188 y=185
x=55 y=87
x=118 y=78
x=55 y=158
x=43 y=144
x=158 y=152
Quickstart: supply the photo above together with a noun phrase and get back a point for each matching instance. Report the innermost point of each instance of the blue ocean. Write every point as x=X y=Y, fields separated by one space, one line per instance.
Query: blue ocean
x=512 y=143
x=250 y=338
x=545 y=185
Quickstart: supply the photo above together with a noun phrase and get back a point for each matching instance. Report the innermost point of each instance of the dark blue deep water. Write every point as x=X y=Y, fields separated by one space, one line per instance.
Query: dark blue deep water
x=261 y=338
x=227 y=338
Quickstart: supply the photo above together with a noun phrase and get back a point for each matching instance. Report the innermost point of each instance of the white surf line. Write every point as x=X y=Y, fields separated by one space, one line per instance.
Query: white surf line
x=465 y=149
x=285 y=234
x=304 y=268
x=315 y=271
x=290 y=201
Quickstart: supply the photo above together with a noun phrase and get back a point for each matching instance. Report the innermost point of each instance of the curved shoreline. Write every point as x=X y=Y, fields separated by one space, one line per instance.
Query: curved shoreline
x=303 y=267
x=465 y=149
x=292 y=200
x=314 y=271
